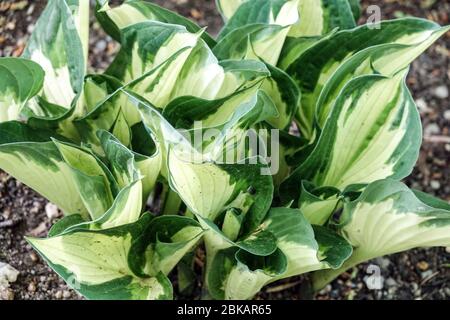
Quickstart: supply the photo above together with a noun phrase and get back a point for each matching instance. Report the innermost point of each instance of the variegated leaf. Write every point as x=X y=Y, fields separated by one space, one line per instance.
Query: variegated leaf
x=257 y=30
x=94 y=181
x=388 y=218
x=374 y=132
x=30 y=156
x=130 y=12
x=20 y=80
x=312 y=74
x=98 y=263
x=236 y=274
x=318 y=17
x=59 y=45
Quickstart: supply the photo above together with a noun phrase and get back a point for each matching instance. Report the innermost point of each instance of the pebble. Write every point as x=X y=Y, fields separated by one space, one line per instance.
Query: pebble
x=422 y=105
x=33 y=257
x=36 y=208
x=7 y=274
x=383 y=262
x=423 y=265
x=390 y=282
x=101 y=45
x=325 y=290
x=432 y=129
x=58 y=295
x=417 y=294
x=447 y=249
x=32 y=287
x=426 y=274
x=6 y=294
x=66 y=294
x=441 y=92
x=30 y=28
x=51 y=210
x=30 y=9
x=435 y=185
x=447 y=291
x=447 y=115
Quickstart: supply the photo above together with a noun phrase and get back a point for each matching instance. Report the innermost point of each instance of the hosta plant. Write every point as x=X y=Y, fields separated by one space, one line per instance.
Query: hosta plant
x=154 y=159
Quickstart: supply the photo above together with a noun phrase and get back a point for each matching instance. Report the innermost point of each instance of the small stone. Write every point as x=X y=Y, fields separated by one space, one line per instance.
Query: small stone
x=101 y=45
x=441 y=92
x=417 y=294
x=7 y=274
x=33 y=257
x=51 y=210
x=447 y=291
x=432 y=129
x=31 y=287
x=10 y=26
x=447 y=115
x=30 y=9
x=325 y=290
x=426 y=274
x=435 y=185
x=423 y=265
x=58 y=295
x=66 y=294
x=39 y=230
x=30 y=28
x=447 y=249
x=6 y=294
x=390 y=282
x=422 y=105
x=383 y=262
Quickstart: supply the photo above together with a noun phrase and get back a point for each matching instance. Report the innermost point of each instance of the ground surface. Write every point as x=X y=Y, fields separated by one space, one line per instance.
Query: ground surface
x=418 y=274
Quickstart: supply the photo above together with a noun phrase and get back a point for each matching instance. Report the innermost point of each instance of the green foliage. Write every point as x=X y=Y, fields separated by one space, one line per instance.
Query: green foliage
x=102 y=147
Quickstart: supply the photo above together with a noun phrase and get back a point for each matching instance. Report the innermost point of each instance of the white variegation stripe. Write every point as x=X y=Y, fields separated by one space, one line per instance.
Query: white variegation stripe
x=381 y=228
x=9 y=109
x=311 y=19
x=396 y=56
x=97 y=195
x=92 y=258
x=81 y=19
x=185 y=240
x=387 y=218
x=228 y=7
x=54 y=180
x=359 y=154
x=204 y=187
x=163 y=82
x=319 y=212
x=149 y=168
x=243 y=284
x=127 y=207
x=57 y=88
x=125 y=15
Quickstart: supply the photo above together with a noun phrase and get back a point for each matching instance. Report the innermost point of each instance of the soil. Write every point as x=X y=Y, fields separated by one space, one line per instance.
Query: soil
x=417 y=274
